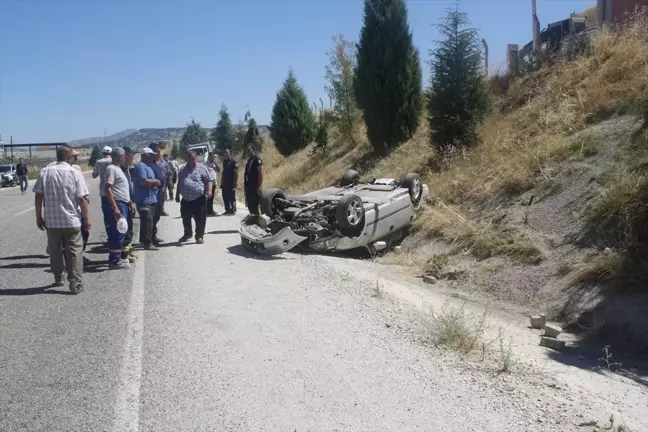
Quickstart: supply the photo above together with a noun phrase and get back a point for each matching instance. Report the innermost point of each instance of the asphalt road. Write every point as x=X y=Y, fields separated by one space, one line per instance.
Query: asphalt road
x=210 y=338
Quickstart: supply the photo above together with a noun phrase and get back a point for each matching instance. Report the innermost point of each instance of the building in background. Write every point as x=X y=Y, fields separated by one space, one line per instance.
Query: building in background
x=613 y=11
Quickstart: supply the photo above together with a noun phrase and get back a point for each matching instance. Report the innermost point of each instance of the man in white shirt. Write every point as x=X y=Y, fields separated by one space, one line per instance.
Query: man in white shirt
x=99 y=170
x=60 y=191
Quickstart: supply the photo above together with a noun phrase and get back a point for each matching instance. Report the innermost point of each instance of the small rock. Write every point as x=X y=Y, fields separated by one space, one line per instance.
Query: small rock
x=551 y=330
x=429 y=279
x=387 y=325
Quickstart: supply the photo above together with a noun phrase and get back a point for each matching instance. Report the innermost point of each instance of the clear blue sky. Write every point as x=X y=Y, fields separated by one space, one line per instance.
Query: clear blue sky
x=69 y=69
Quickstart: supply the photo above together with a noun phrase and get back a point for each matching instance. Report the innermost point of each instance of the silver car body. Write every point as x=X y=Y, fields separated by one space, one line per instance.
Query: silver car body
x=388 y=212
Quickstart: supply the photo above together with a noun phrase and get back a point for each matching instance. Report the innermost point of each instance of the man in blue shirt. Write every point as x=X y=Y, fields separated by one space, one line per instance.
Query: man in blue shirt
x=162 y=172
x=145 y=190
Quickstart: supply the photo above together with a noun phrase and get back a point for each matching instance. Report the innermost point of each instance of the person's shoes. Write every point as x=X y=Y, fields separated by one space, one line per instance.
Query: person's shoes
x=76 y=288
x=200 y=240
x=157 y=241
x=131 y=259
x=184 y=238
x=164 y=214
x=150 y=247
x=119 y=265
x=58 y=281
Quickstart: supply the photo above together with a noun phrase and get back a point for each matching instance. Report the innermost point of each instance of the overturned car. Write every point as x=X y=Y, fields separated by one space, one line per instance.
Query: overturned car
x=356 y=214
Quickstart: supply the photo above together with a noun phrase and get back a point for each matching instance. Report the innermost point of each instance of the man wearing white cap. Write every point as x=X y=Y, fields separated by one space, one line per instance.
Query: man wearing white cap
x=118 y=197
x=99 y=170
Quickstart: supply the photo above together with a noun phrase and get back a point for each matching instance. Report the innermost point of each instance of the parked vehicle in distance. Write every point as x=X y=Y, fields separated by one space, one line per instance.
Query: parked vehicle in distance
x=372 y=214
x=8 y=176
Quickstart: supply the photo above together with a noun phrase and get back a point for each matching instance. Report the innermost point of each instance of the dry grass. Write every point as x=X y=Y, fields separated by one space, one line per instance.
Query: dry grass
x=483 y=240
x=456 y=329
x=468 y=334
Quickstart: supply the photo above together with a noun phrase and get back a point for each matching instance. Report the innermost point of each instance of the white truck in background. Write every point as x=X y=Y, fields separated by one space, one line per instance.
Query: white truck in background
x=202 y=150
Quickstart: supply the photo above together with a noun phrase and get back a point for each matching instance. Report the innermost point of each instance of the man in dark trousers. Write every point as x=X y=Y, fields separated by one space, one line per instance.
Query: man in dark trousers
x=145 y=187
x=195 y=186
x=162 y=173
x=212 y=167
x=129 y=163
x=23 y=174
x=229 y=180
x=253 y=181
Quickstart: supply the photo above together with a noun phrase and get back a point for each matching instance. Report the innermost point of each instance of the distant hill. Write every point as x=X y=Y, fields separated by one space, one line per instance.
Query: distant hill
x=85 y=142
x=138 y=138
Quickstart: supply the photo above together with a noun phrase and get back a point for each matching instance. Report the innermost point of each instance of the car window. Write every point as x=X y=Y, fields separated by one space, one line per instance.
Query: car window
x=5 y=168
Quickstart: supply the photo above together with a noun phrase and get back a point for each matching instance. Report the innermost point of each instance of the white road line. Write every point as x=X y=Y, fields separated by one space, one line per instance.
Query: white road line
x=24 y=211
x=127 y=408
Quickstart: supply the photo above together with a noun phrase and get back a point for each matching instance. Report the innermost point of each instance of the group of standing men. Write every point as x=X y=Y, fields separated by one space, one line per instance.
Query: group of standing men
x=126 y=187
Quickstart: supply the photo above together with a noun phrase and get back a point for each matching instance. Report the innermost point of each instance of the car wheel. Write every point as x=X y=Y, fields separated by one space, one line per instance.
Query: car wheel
x=350 y=212
x=269 y=201
x=415 y=187
x=350 y=177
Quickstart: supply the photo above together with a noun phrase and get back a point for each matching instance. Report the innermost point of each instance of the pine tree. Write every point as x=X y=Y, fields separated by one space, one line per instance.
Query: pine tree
x=458 y=97
x=194 y=134
x=292 y=122
x=95 y=155
x=223 y=133
x=388 y=76
x=252 y=135
x=175 y=151
x=339 y=87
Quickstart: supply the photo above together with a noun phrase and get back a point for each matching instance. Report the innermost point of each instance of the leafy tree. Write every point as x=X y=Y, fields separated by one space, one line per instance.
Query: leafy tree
x=388 y=77
x=339 y=87
x=95 y=155
x=223 y=134
x=292 y=122
x=458 y=97
x=194 y=134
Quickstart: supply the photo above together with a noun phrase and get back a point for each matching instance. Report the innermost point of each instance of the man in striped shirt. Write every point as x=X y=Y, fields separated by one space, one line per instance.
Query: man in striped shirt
x=60 y=191
x=195 y=186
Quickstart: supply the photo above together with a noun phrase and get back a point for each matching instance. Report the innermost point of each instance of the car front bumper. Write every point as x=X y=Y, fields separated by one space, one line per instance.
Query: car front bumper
x=254 y=238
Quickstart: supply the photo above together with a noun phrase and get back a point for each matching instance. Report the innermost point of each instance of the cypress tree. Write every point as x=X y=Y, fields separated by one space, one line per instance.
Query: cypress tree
x=388 y=77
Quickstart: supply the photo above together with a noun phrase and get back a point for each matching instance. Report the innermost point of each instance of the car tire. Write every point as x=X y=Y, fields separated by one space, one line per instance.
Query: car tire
x=268 y=198
x=415 y=187
x=350 y=212
x=350 y=177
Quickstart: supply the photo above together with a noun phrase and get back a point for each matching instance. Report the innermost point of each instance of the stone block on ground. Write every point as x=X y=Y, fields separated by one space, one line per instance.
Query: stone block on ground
x=551 y=330
x=552 y=343
x=538 y=321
